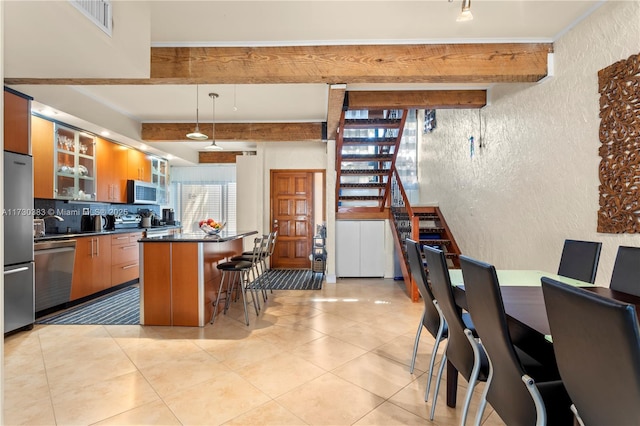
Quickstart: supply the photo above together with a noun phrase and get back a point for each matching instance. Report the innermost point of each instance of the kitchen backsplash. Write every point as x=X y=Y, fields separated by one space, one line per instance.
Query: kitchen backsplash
x=72 y=212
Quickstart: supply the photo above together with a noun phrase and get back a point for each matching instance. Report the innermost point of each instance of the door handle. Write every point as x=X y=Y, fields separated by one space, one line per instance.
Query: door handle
x=15 y=271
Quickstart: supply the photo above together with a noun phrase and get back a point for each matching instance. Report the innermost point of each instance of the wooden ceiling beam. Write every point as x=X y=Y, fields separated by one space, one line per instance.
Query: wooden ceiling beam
x=334 y=109
x=246 y=132
x=297 y=132
x=408 y=63
x=218 y=157
x=416 y=99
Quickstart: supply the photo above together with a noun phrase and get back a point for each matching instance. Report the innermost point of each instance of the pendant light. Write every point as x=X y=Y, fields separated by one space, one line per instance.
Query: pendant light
x=465 y=14
x=213 y=146
x=196 y=134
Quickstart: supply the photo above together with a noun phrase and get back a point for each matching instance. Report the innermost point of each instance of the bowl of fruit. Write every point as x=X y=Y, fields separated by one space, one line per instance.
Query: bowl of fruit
x=211 y=227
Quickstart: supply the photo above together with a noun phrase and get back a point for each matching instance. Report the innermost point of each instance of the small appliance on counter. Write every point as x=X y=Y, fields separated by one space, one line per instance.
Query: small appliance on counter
x=38 y=228
x=168 y=217
x=98 y=223
x=86 y=223
x=109 y=222
x=127 y=221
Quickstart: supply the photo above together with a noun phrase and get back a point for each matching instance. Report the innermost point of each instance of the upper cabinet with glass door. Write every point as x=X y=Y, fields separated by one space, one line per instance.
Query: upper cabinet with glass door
x=160 y=177
x=75 y=164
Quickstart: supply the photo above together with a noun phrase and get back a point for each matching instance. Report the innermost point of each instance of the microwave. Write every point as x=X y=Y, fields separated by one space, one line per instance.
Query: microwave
x=139 y=192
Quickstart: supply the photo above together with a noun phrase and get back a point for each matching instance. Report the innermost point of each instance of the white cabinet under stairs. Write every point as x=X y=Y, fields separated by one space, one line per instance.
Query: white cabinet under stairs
x=360 y=248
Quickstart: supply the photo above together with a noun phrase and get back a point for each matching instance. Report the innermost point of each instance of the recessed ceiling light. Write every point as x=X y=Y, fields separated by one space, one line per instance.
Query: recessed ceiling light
x=48 y=112
x=105 y=133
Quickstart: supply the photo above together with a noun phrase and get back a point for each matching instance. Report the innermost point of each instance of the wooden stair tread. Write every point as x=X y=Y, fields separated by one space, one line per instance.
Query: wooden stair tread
x=376 y=185
x=428 y=216
x=431 y=230
x=427 y=242
x=364 y=172
x=360 y=197
x=377 y=123
x=367 y=157
x=369 y=141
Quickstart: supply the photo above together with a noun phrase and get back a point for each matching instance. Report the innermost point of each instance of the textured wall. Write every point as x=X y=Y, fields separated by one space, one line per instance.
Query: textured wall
x=535 y=181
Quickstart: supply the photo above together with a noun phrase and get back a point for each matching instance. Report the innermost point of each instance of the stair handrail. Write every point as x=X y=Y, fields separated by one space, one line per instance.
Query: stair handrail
x=405 y=200
x=387 y=190
x=400 y=200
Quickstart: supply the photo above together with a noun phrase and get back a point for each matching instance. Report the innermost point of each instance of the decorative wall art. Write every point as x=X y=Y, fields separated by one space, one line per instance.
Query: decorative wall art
x=619 y=88
x=430 y=122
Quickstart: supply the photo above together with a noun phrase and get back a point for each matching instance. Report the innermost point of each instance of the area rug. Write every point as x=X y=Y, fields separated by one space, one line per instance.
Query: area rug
x=294 y=279
x=119 y=308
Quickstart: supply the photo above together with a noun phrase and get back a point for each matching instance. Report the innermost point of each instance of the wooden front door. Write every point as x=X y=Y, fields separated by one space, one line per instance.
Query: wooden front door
x=292 y=217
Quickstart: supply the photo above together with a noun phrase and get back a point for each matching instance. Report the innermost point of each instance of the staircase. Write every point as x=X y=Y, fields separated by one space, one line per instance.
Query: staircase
x=368 y=186
x=424 y=224
x=366 y=149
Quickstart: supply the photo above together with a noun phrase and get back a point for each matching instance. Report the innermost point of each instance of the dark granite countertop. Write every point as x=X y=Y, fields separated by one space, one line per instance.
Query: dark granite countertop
x=199 y=237
x=76 y=234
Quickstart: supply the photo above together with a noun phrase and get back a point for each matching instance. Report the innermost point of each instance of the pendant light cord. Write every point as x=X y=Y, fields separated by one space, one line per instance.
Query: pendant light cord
x=213 y=121
x=197 y=109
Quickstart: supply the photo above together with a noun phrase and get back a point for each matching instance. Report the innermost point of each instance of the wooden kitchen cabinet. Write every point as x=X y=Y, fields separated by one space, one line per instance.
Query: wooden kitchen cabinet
x=112 y=169
x=42 y=151
x=124 y=258
x=17 y=122
x=92 y=267
x=160 y=177
x=75 y=164
x=139 y=166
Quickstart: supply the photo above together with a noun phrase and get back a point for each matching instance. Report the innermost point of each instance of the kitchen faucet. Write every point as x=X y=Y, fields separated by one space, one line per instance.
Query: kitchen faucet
x=54 y=216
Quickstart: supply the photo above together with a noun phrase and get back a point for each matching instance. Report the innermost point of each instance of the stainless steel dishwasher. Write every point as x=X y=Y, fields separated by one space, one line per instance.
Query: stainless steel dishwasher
x=54 y=271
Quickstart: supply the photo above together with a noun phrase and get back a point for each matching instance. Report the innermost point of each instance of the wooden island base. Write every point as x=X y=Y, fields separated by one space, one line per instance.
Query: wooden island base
x=178 y=276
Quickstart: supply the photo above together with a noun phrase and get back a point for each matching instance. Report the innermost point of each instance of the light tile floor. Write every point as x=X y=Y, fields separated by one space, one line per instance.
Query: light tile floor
x=338 y=356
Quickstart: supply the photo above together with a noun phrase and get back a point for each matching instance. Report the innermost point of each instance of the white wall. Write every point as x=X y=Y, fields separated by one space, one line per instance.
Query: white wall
x=535 y=182
x=57 y=40
x=248 y=195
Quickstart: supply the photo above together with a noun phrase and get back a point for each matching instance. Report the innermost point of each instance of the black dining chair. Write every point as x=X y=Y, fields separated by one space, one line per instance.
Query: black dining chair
x=626 y=271
x=519 y=396
x=579 y=260
x=430 y=319
x=462 y=349
x=597 y=345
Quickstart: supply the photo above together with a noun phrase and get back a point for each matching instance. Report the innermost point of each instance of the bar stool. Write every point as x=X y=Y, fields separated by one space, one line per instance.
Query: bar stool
x=258 y=263
x=236 y=273
x=271 y=248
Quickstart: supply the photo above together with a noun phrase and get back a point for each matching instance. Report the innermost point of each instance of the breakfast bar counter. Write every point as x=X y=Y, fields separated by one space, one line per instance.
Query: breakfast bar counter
x=178 y=275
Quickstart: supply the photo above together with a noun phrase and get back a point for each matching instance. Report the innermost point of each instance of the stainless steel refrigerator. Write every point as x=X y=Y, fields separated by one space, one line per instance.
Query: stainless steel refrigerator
x=19 y=305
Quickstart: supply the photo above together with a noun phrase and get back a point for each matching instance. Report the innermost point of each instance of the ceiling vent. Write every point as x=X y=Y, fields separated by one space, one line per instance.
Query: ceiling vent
x=98 y=11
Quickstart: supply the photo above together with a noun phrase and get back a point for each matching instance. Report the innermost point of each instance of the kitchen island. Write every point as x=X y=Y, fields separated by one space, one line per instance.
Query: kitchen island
x=179 y=279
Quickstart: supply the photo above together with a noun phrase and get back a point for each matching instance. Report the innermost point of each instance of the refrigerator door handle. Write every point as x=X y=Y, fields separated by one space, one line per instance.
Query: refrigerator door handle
x=15 y=271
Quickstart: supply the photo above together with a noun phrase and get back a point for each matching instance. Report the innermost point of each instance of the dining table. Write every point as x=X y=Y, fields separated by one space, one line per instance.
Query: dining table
x=524 y=306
